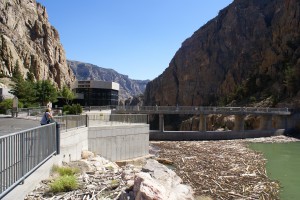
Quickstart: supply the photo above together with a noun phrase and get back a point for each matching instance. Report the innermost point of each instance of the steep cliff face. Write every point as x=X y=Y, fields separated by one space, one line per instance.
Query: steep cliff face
x=251 y=49
x=28 y=40
x=128 y=87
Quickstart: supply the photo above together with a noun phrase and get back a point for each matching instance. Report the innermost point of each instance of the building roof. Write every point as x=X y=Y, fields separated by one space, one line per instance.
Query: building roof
x=96 y=84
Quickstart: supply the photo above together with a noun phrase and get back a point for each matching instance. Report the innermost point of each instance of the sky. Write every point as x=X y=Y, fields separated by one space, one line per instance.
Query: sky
x=137 y=38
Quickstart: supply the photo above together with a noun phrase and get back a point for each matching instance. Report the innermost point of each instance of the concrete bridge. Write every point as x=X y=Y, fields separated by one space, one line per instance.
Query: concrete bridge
x=266 y=114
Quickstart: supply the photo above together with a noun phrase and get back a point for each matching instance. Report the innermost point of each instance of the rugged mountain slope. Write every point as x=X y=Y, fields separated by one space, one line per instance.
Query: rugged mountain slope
x=128 y=87
x=28 y=40
x=249 y=52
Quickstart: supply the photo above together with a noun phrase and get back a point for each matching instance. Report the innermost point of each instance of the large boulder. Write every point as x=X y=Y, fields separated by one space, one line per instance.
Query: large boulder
x=156 y=181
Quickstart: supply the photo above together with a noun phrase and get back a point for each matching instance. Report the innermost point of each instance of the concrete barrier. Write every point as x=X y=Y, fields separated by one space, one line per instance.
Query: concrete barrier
x=119 y=142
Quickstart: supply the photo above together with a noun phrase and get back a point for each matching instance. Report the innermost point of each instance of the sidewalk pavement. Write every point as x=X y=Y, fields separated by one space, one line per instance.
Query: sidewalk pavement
x=11 y=125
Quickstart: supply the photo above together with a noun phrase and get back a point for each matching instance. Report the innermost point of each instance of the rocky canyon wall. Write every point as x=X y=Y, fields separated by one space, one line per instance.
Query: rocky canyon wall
x=250 y=45
x=28 y=40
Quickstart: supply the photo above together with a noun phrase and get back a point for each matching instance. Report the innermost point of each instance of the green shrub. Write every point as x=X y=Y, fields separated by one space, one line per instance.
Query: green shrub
x=62 y=171
x=66 y=180
x=5 y=105
x=75 y=109
x=64 y=184
x=252 y=99
x=114 y=184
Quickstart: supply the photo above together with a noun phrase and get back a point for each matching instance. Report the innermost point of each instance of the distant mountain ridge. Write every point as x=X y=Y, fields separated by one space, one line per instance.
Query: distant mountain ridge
x=128 y=87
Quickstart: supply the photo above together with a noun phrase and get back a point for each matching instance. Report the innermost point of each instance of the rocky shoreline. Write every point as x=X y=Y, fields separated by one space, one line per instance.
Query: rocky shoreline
x=203 y=169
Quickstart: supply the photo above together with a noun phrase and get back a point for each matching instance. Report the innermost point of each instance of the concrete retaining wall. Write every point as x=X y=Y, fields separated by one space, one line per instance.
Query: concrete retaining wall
x=119 y=142
x=211 y=135
x=72 y=143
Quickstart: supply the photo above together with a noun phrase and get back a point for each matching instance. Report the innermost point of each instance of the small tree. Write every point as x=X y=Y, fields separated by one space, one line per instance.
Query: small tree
x=30 y=77
x=45 y=92
x=16 y=73
x=24 y=90
x=67 y=94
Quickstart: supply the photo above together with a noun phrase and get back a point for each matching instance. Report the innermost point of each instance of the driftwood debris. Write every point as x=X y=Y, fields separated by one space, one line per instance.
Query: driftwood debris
x=220 y=169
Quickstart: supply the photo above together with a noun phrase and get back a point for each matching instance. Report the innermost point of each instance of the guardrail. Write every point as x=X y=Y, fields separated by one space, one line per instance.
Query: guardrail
x=33 y=111
x=201 y=109
x=67 y=122
x=98 y=108
x=110 y=119
x=23 y=152
x=36 y=111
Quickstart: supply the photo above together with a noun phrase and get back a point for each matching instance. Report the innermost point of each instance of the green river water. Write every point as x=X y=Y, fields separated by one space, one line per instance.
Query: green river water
x=283 y=164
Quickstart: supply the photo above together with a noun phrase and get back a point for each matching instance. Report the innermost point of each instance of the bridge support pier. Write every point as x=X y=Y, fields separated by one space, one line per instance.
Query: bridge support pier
x=202 y=122
x=239 y=123
x=161 y=123
x=280 y=122
x=265 y=122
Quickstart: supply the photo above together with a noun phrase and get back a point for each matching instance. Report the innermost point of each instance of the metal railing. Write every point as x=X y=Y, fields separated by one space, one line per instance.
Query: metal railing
x=33 y=111
x=112 y=119
x=97 y=108
x=23 y=152
x=68 y=122
x=201 y=109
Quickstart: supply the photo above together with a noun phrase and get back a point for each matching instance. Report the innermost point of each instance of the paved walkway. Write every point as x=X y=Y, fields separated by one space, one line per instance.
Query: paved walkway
x=12 y=125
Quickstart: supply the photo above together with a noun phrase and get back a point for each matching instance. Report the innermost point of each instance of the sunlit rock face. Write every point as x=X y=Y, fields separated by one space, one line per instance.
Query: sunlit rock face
x=249 y=42
x=28 y=40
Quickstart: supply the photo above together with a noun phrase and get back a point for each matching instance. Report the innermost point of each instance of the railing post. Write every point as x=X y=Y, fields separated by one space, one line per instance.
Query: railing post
x=87 y=120
x=57 y=138
x=66 y=117
x=23 y=159
x=161 y=122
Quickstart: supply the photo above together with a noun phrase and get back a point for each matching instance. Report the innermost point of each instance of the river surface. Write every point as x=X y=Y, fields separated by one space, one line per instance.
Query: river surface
x=283 y=164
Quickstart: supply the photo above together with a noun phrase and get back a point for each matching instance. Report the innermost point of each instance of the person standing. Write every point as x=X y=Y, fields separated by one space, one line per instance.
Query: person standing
x=47 y=117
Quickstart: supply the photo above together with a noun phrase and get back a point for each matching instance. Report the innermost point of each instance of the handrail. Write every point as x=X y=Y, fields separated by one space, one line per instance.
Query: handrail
x=23 y=152
x=203 y=109
x=67 y=122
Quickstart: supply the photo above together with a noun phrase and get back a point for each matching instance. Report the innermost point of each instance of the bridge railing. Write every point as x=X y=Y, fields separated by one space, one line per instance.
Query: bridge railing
x=98 y=108
x=23 y=152
x=202 y=109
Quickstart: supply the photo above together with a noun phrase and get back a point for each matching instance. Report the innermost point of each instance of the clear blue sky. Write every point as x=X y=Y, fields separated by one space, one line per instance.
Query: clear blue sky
x=137 y=38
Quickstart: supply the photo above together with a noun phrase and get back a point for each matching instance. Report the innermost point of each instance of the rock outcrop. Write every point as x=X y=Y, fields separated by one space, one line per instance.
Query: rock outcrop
x=100 y=178
x=128 y=87
x=250 y=51
x=28 y=41
x=156 y=181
